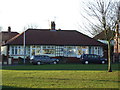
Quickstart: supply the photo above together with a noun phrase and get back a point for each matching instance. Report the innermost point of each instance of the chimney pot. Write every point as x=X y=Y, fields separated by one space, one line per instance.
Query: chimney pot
x=52 y=25
x=9 y=29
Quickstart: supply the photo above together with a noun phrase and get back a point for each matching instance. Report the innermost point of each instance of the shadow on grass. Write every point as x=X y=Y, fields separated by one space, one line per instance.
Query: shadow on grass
x=62 y=67
x=18 y=88
x=12 y=88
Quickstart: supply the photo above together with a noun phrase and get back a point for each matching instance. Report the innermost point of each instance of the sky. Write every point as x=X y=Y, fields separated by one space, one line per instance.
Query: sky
x=21 y=13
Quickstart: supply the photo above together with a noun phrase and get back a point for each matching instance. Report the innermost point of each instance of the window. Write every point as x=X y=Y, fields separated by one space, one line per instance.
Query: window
x=48 y=49
x=82 y=50
x=44 y=47
x=70 y=51
x=37 y=47
x=92 y=50
x=89 y=50
x=33 y=46
x=15 y=50
x=79 y=50
x=37 y=51
x=98 y=50
x=28 y=50
x=12 y=51
x=33 y=51
x=59 y=50
x=19 y=50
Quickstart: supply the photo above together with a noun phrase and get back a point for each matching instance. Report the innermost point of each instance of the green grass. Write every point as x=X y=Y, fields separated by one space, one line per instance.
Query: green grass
x=63 y=67
x=60 y=76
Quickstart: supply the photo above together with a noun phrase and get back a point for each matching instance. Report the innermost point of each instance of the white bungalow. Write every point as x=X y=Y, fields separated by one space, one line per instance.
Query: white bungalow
x=52 y=42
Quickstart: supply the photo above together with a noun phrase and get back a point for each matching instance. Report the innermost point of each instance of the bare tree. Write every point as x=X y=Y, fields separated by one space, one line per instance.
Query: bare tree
x=101 y=16
x=94 y=11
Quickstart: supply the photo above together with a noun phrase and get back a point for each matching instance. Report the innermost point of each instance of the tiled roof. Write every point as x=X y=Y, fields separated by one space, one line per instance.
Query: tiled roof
x=54 y=37
x=7 y=35
x=102 y=36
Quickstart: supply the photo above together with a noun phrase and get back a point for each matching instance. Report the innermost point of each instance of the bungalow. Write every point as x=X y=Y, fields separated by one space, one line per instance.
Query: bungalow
x=4 y=37
x=52 y=42
x=102 y=38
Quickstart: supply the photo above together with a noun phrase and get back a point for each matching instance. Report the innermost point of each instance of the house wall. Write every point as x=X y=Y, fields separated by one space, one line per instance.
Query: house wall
x=117 y=45
x=4 y=50
x=53 y=51
x=116 y=57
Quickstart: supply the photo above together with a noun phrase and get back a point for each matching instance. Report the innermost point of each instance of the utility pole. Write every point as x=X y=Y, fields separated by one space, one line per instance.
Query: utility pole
x=0 y=39
x=24 y=46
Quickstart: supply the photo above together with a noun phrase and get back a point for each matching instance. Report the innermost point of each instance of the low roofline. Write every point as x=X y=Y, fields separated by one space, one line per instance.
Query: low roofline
x=57 y=44
x=8 y=32
x=60 y=44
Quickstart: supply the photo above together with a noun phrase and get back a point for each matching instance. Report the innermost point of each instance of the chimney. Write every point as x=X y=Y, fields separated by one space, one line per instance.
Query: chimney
x=9 y=29
x=59 y=29
x=52 y=25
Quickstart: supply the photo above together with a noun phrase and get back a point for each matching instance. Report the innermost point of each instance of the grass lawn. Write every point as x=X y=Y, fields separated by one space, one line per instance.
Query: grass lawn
x=60 y=76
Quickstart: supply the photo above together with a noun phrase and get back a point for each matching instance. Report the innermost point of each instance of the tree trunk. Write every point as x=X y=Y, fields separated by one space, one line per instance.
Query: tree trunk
x=109 y=57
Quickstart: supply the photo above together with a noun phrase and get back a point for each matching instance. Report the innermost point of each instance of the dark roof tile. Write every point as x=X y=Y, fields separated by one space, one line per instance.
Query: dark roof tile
x=58 y=37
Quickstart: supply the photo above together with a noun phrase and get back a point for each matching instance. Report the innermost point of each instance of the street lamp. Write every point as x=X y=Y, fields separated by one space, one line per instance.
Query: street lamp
x=24 y=45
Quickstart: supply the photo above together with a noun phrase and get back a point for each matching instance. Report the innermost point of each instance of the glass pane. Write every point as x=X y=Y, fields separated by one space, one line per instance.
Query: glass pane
x=33 y=51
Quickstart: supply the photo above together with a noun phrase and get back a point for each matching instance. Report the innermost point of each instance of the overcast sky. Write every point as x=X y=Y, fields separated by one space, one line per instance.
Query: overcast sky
x=20 y=13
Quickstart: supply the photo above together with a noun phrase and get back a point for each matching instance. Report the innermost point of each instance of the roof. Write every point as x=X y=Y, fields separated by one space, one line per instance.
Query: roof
x=102 y=36
x=54 y=37
x=7 y=35
x=8 y=32
x=11 y=34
